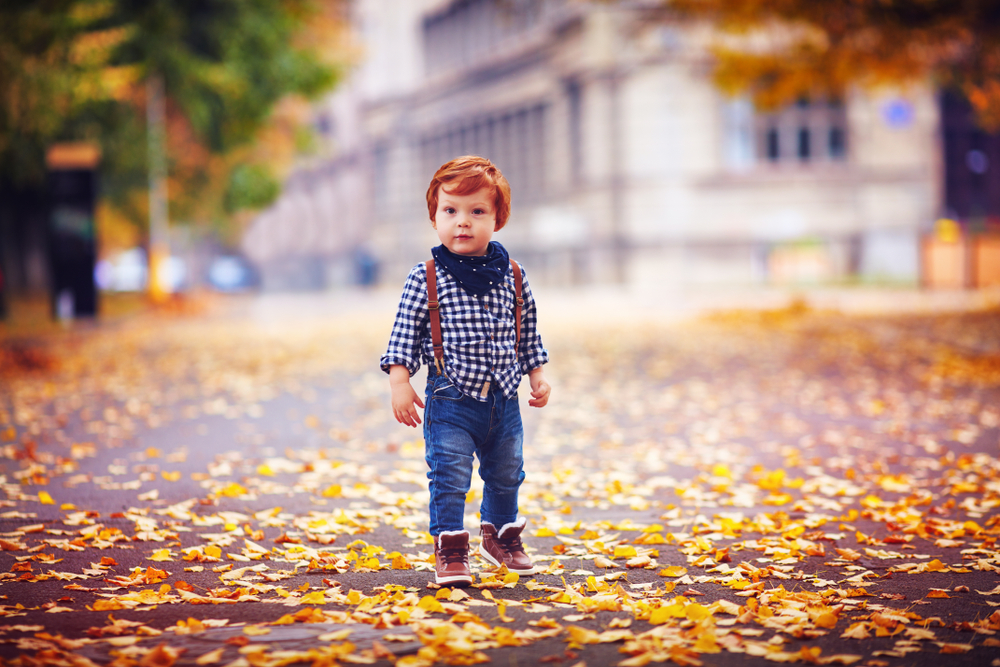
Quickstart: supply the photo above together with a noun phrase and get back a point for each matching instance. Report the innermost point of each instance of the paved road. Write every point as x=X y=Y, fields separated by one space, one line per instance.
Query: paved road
x=746 y=487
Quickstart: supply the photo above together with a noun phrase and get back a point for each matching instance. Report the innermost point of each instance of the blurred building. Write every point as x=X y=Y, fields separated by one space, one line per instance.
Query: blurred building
x=625 y=162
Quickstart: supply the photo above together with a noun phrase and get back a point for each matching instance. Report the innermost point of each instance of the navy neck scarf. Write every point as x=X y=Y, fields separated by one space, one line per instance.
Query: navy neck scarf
x=476 y=275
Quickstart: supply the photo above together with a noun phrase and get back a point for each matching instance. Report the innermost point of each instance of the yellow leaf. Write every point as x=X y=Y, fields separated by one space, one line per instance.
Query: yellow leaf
x=826 y=620
x=696 y=612
x=45 y=499
x=624 y=551
x=706 y=643
x=211 y=657
x=544 y=532
x=511 y=578
x=856 y=631
x=954 y=648
x=638 y=561
x=579 y=636
x=315 y=597
x=256 y=630
x=429 y=604
x=721 y=470
x=659 y=616
x=673 y=571
x=213 y=551
x=265 y=470
x=232 y=490
x=161 y=555
x=332 y=491
x=651 y=538
x=935 y=566
x=171 y=476
x=107 y=605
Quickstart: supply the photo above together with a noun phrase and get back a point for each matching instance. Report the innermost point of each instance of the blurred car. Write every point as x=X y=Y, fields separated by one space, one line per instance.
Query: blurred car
x=231 y=273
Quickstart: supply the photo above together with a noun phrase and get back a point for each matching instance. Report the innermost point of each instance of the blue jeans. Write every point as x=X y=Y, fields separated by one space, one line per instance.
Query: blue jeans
x=457 y=427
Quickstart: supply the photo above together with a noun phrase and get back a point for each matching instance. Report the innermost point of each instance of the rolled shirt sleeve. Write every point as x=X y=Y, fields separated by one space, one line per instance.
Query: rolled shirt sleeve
x=410 y=325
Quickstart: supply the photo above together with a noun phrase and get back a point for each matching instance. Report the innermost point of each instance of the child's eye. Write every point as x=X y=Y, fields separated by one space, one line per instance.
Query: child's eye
x=449 y=210
x=478 y=211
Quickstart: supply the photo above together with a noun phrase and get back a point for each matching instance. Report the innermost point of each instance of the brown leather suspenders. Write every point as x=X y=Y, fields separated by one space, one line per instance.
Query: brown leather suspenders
x=518 y=303
x=434 y=311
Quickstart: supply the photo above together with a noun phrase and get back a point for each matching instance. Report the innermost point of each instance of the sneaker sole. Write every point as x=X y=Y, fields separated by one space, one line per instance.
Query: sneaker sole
x=486 y=556
x=458 y=580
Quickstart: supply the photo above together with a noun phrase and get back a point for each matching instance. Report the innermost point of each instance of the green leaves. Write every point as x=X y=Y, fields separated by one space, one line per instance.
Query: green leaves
x=76 y=70
x=251 y=186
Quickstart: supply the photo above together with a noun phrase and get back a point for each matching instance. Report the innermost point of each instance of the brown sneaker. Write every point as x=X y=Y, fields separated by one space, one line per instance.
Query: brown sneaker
x=451 y=558
x=504 y=547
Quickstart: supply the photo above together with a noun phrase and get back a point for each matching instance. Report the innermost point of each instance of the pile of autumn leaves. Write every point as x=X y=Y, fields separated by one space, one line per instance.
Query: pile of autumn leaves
x=455 y=626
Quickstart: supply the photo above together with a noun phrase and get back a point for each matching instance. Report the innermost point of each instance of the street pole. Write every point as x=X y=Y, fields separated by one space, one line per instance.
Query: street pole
x=159 y=221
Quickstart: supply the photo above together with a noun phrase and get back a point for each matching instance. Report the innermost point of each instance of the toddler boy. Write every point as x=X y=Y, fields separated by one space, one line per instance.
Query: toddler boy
x=472 y=379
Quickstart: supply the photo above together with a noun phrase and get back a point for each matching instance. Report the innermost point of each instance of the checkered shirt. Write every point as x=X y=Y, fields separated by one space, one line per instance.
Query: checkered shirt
x=477 y=332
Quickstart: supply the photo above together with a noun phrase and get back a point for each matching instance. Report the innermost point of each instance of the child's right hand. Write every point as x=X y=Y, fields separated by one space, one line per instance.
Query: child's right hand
x=404 y=399
x=404 y=402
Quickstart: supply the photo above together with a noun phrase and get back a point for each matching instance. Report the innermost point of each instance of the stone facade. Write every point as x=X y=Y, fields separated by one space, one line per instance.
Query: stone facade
x=626 y=164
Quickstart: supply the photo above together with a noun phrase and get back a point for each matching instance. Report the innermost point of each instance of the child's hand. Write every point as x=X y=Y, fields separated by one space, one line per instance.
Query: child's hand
x=404 y=399
x=540 y=389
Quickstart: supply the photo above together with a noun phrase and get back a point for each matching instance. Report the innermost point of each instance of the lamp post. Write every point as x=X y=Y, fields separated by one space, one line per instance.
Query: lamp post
x=159 y=220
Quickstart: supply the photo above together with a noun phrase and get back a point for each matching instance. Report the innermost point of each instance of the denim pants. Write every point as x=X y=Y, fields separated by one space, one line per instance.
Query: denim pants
x=457 y=427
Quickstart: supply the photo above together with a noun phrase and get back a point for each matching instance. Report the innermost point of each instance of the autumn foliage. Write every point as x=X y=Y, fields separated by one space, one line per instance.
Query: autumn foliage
x=780 y=50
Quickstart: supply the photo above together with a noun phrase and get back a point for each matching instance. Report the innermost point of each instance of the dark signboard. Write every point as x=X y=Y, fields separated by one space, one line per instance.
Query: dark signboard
x=72 y=234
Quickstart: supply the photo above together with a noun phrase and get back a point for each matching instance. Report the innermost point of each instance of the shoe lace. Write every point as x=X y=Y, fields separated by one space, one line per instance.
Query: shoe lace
x=453 y=555
x=511 y=544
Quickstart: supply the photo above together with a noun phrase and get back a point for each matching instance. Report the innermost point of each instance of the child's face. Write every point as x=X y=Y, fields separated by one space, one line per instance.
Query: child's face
x=465 y=223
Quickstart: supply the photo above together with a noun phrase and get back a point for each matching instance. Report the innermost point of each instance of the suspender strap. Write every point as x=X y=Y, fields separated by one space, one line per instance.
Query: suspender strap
x=434 y=311
x=518 y=303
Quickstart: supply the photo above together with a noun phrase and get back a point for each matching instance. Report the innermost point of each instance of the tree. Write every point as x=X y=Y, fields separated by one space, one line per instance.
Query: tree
x=780 y=50
x=76 y=70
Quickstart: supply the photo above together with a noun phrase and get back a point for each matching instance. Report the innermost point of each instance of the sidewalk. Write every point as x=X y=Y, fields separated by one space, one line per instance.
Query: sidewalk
x=630 y=304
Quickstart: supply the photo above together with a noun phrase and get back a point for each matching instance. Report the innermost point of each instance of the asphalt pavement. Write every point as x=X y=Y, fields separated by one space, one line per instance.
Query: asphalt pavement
x=720 y=479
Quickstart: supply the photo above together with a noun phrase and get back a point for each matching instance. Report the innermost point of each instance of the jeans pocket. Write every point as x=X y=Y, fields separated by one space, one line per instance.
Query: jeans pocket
x=447 y=391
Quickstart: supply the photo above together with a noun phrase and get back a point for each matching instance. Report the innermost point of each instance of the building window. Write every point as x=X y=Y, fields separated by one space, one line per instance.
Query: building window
x=515 y=141
x=773 y=145
x=807 y=132
x=837 y=147
x=803 y=143
x=381 y=189
x=466 y=32
x=574 y=104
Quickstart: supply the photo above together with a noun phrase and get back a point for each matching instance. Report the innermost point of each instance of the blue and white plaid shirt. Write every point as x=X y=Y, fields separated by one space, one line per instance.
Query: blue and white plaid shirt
x=477 y=332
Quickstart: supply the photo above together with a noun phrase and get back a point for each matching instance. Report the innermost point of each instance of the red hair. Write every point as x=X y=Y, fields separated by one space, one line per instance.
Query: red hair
x=467 y=174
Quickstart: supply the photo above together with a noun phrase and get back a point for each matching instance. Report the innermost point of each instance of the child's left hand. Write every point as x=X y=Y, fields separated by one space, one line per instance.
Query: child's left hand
x=540 y=389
